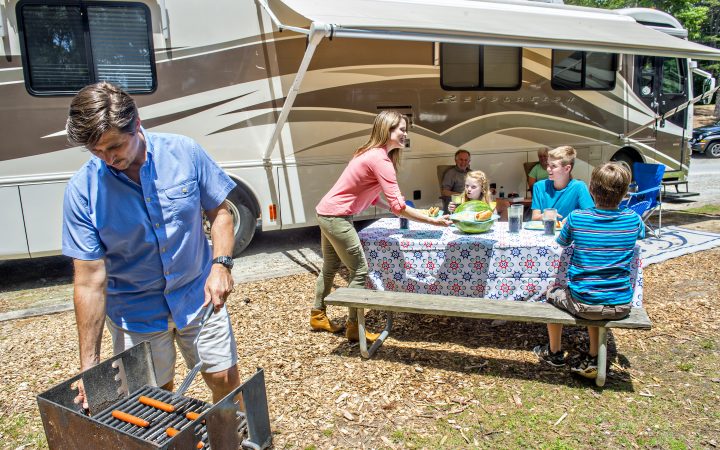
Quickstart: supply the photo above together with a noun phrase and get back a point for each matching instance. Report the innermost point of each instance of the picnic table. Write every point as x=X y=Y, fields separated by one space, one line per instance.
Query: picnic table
x=409 y=271
x=445 y=261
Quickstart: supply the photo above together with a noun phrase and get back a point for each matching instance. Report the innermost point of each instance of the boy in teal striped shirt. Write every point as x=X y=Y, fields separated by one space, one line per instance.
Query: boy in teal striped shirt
x=599 y=286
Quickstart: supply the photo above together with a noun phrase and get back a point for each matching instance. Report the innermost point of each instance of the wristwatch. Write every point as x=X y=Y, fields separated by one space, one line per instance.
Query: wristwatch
x=226 y=261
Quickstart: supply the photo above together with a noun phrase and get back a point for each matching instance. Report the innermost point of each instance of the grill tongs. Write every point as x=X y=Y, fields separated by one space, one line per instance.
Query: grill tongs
x=191 y=375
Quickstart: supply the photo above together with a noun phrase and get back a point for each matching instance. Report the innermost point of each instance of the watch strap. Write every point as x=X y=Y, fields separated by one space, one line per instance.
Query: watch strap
x=226 y=261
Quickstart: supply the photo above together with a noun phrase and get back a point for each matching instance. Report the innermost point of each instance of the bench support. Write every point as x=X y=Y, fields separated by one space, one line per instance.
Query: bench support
x=361 y=331
x=602 y=356
x=358 y=300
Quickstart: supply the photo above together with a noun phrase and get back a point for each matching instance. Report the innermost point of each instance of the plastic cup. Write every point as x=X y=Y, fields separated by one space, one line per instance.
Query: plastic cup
x=549 y=216
x=456 y=198
x=515 y=217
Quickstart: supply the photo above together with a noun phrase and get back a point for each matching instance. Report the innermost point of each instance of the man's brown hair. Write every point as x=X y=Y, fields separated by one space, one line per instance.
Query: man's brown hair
x=99 y=108
x=609 y=184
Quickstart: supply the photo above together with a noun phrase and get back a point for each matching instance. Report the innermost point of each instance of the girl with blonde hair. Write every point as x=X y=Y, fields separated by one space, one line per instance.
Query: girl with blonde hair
x=371 y=170
x=477 y=187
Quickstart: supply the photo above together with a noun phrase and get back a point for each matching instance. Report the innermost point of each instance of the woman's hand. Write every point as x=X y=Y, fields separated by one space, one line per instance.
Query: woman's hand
x=451 y=207
x=442 y=221
x=413 y=214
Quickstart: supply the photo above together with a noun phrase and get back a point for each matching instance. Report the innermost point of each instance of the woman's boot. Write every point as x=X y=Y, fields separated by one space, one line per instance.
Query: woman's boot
x=319 y=321
x=353 y=333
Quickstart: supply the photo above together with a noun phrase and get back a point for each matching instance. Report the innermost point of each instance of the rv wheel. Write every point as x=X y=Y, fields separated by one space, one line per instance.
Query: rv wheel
x=244 y=224
x=625 y=159
x=713 y=150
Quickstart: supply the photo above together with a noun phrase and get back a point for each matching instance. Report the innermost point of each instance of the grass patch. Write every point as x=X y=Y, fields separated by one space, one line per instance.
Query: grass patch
x=707 y=344
x=15 y=434
x=706 y=209
x=685 y=367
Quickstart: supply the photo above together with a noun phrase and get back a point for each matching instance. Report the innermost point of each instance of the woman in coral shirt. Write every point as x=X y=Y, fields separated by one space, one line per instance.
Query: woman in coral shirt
x=371 y=170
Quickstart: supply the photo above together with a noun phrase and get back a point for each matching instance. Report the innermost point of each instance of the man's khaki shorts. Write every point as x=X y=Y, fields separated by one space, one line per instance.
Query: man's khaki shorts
x=216 y=347
x=561 y=298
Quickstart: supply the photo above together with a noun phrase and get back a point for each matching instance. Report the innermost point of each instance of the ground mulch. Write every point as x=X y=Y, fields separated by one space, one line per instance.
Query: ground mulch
x=321 y=393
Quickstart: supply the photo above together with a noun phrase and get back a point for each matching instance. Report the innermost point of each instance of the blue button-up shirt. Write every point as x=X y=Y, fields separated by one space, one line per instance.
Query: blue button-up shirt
x=157 y=257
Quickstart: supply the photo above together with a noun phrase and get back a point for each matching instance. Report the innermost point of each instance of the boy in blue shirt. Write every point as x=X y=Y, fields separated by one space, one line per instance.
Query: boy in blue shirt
x=599 y=286
x=560 y=190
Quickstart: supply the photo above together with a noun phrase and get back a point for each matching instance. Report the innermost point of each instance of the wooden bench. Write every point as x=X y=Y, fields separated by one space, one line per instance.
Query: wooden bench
x=477 y=308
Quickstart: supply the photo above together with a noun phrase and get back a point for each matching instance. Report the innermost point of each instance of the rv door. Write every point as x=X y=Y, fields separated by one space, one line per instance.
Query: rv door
x=662 y=84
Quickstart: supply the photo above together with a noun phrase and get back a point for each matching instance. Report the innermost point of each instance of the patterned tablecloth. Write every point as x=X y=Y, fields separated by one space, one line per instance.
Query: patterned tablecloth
x=445 y=261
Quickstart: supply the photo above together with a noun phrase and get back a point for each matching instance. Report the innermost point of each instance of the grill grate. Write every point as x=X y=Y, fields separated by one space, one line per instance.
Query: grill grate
x=159 y=420
x=119 y=382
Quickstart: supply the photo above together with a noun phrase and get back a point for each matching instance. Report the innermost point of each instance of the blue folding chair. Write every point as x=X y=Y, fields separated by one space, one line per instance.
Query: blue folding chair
x=648 y=198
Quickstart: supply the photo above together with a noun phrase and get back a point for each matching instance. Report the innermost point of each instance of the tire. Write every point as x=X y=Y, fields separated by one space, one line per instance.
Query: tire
x=713 y=150
x=244 y=223
x=623 y=158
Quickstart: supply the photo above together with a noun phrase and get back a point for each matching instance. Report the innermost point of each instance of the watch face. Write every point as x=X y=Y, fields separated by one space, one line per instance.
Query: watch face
x=225 y=261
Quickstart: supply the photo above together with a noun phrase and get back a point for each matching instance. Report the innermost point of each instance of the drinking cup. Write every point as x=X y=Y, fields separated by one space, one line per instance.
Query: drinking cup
x=456 y=198
x=549 y=215
x=515 y=217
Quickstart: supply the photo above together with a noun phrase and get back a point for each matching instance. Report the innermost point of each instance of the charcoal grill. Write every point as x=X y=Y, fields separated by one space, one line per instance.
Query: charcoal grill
x=116 y=384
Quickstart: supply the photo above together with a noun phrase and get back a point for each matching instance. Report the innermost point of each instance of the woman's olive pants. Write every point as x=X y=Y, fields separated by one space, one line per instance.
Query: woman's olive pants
x=340 y=245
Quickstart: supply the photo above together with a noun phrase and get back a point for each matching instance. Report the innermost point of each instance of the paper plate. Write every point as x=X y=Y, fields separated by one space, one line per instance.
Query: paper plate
x=537 y=225
x=427 y=212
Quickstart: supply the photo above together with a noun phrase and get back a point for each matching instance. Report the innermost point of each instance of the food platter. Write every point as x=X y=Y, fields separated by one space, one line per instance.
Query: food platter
x=433 y=211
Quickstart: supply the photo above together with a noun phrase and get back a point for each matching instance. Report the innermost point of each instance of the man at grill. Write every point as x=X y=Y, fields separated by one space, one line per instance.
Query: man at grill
x=133 y=226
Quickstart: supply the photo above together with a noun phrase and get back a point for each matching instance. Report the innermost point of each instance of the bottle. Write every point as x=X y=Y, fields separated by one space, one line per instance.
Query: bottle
x=404 y=222
x=501 y=194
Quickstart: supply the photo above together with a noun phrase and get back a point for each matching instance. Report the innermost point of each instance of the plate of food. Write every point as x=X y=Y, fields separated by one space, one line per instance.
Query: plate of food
x=474 y=221
x=433 y=211
x=537 y=225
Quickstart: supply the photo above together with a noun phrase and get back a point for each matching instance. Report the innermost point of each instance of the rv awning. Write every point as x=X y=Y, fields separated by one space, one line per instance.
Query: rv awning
x=512 y=23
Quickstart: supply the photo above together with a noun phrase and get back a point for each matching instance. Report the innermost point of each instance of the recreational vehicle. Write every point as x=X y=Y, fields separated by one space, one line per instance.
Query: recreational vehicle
x=280 y=93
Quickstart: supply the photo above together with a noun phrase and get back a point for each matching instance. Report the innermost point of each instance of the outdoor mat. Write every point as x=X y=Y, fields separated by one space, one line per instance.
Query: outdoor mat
x=674 y=242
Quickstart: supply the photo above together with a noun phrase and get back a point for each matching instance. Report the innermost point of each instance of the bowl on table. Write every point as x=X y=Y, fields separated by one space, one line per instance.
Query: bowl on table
x=473 y=205
x=469 y=222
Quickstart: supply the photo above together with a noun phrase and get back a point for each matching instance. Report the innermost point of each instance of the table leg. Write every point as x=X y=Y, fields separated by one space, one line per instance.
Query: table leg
x=361 y=333
x=602 y=356
x=361 y=330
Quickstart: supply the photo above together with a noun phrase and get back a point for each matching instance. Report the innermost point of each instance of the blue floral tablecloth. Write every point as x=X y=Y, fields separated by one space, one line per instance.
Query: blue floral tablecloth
x=444 y=261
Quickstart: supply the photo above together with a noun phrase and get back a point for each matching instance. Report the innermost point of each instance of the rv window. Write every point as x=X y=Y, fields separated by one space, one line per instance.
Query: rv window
x=583 y=70
x=66 y=47
x=646 y=76
x=473 y=67
x=672 y=80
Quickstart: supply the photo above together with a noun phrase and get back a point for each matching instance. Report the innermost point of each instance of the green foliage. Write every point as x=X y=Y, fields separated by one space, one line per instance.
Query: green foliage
x=685 y=366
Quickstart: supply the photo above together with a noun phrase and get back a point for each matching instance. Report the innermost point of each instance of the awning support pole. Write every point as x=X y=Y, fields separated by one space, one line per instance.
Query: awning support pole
x=276 y=21
x=317 y=32
x=672 y=112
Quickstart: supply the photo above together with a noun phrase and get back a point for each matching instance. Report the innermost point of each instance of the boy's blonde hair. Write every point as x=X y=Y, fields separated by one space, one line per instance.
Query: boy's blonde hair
x=565 y=153
x=481 y=179
x=609 y=184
